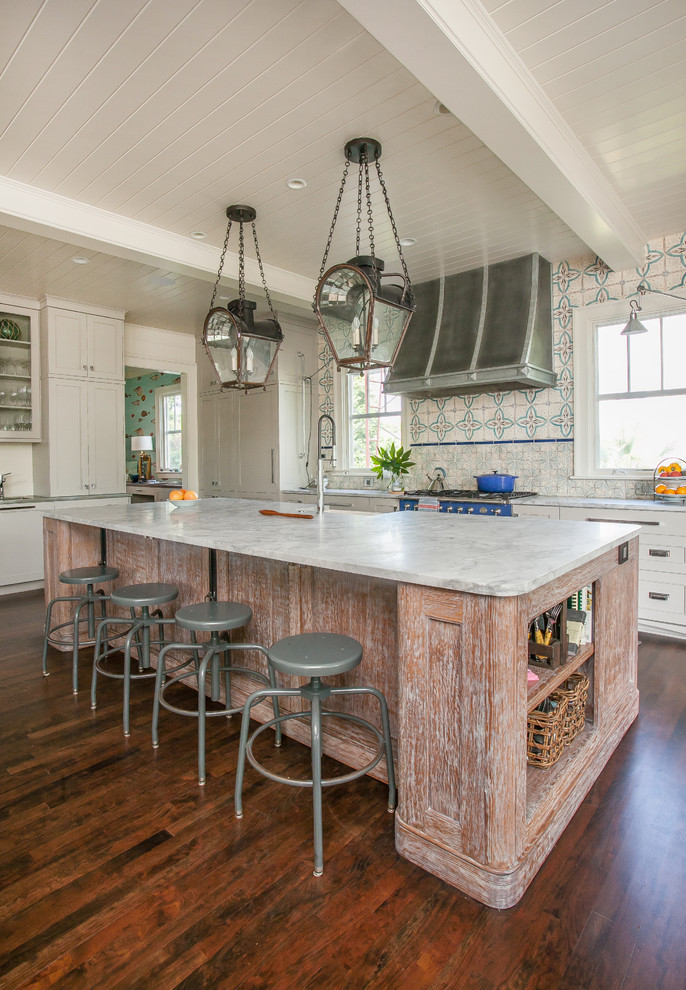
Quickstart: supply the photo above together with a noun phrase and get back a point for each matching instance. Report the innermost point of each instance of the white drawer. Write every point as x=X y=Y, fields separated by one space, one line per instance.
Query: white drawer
x=656 y=597
x=654 y=522
x=661 y=556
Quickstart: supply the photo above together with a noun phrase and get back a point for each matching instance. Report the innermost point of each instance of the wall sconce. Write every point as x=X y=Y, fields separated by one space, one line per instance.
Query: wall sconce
x=634 y=325
x=363 y=320
x=141 y=445
x=241 y=349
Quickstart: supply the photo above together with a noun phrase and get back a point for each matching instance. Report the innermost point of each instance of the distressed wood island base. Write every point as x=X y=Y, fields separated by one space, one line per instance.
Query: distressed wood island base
x=451 y=660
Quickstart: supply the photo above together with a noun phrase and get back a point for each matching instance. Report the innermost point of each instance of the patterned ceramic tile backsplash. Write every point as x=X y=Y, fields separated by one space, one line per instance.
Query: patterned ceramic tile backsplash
x=528 y=433
x=139 y=410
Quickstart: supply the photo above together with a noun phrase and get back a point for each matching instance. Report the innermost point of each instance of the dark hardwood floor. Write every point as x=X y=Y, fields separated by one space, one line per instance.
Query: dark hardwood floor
x=118 y=871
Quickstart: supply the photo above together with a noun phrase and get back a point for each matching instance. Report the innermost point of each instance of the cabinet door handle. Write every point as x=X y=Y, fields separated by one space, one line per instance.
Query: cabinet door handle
x=659 y=553
x=85 y=367
x=272 y=465
x=340 y=505
x=92 y=368
x=658 y=596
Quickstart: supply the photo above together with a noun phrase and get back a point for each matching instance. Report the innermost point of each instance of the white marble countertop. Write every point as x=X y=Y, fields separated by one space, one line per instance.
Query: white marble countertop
x=489 y=556
x=571 y=502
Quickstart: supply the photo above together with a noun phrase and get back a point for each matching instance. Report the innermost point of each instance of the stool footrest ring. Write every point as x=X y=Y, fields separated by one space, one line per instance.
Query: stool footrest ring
x=326 y=781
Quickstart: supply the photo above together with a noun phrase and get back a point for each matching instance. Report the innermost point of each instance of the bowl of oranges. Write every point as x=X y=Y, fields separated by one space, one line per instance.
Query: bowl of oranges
x=670 y=480
x=183 y=498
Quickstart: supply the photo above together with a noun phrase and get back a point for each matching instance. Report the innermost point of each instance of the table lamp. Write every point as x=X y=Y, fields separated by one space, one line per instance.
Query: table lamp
x=141 y=445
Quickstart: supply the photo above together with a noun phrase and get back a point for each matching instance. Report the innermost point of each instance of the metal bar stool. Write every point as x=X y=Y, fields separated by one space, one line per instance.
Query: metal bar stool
x=314 y=655
x=90 y=576
x=215 y=618
x=132 y=596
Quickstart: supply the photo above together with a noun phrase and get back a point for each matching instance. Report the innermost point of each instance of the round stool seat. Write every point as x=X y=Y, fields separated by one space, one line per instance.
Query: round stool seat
x=315 y=654
x=144 y=594
x=213 y=616
x=89 y=575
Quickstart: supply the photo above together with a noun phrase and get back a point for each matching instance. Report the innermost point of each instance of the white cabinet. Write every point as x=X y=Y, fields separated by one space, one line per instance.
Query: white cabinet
x=21 y=536
x=19 y=370
x=83 y=345
x=83 y=441
x=258 y=442
x=82 y=450
x=218 y=435
x=661 y=563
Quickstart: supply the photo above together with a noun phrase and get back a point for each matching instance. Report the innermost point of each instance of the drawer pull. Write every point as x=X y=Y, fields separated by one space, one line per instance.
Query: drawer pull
x=658 y=596
x=625 y=522
x=659 y=553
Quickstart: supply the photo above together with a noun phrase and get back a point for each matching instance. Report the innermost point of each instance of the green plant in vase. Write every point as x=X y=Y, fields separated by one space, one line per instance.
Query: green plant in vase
x=393 y=459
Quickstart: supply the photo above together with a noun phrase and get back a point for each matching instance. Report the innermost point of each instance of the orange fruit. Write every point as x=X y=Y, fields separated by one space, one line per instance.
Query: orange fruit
x=177 y=494
x=660 y=489
x=669 y=491
x=189 y=494
x=681 y=490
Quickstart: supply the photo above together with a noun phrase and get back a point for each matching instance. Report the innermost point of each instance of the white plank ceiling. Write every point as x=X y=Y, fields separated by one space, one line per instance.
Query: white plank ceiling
x=126 y=125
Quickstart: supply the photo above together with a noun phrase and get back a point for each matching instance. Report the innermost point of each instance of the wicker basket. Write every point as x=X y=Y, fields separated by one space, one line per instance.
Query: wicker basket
x=575 y=690
x=545 y=733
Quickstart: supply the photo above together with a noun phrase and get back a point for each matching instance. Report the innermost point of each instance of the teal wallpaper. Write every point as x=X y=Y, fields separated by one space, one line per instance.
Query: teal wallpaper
x=139 y=410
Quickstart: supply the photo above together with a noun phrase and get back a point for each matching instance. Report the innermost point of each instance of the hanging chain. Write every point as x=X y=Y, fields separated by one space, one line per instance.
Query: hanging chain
x=221 y=264
x=264 y=280
x=408 y=284
x=241 y=270
x=333 y=222
x=358 y=231
x=370 y=221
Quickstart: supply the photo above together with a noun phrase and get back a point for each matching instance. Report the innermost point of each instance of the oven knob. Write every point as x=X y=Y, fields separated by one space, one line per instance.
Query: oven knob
x=469 y=511
x=415 y=507
x=450 y=508
x=497 y=512
x=460 y=509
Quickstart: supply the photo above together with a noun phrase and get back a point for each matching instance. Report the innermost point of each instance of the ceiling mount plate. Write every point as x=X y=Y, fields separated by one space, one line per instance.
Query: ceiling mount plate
x=355 y=148
x=241 y=214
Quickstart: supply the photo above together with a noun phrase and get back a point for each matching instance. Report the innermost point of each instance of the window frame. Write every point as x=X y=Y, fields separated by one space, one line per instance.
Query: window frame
x=343 y=416
x=585 y=319
x=160 y=394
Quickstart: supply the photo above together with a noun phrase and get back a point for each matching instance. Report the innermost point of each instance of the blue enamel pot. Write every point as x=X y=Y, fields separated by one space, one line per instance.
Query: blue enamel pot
x=496 y=482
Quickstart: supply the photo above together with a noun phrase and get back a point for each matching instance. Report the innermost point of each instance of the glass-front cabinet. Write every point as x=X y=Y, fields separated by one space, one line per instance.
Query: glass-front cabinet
x=19 y=372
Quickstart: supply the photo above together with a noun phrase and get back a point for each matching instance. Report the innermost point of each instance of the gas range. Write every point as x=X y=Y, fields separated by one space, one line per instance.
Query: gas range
x=463 y=501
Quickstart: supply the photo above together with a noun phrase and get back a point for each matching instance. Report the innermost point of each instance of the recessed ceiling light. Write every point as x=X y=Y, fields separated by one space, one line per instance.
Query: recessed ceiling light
x=440 y=109
x=408 y=241
x=296 y=183
x=80 y=261
x=199 y=235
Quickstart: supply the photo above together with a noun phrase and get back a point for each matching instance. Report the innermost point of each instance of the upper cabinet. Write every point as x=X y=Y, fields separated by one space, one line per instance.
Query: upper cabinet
x=82 y=343
x=19 y=370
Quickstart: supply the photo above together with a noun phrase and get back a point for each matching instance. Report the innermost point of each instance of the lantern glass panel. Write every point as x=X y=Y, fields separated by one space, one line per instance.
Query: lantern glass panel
x=388 y=326
x=344 y=301
x=222 y=344
x=257 y=355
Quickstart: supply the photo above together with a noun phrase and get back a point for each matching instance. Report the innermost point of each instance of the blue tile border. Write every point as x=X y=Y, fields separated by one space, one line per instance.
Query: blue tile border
x=489 y=443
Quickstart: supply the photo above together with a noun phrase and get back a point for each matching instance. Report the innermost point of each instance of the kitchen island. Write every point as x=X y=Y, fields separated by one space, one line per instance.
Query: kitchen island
x=442 y=608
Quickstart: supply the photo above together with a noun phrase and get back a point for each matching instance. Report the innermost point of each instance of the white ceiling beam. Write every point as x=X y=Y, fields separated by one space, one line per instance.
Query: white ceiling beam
x=36 y=211
x=455 y=49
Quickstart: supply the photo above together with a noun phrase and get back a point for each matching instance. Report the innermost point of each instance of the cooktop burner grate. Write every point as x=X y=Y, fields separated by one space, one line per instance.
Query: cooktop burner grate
x=469 y=493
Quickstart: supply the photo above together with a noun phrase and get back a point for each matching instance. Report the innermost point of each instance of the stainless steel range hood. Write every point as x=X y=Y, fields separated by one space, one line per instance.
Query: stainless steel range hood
x=489 y=329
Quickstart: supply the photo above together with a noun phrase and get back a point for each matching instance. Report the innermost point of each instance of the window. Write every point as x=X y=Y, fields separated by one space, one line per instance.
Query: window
x=373 y=418
x=169 y=420
x=629 y=391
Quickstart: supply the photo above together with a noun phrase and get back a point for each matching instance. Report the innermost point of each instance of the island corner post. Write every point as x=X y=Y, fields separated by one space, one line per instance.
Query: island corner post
x=453 y=667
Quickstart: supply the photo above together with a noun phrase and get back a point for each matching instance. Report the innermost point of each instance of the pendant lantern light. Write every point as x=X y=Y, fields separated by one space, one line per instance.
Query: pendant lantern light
x=363 y=312
x=241 y=349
